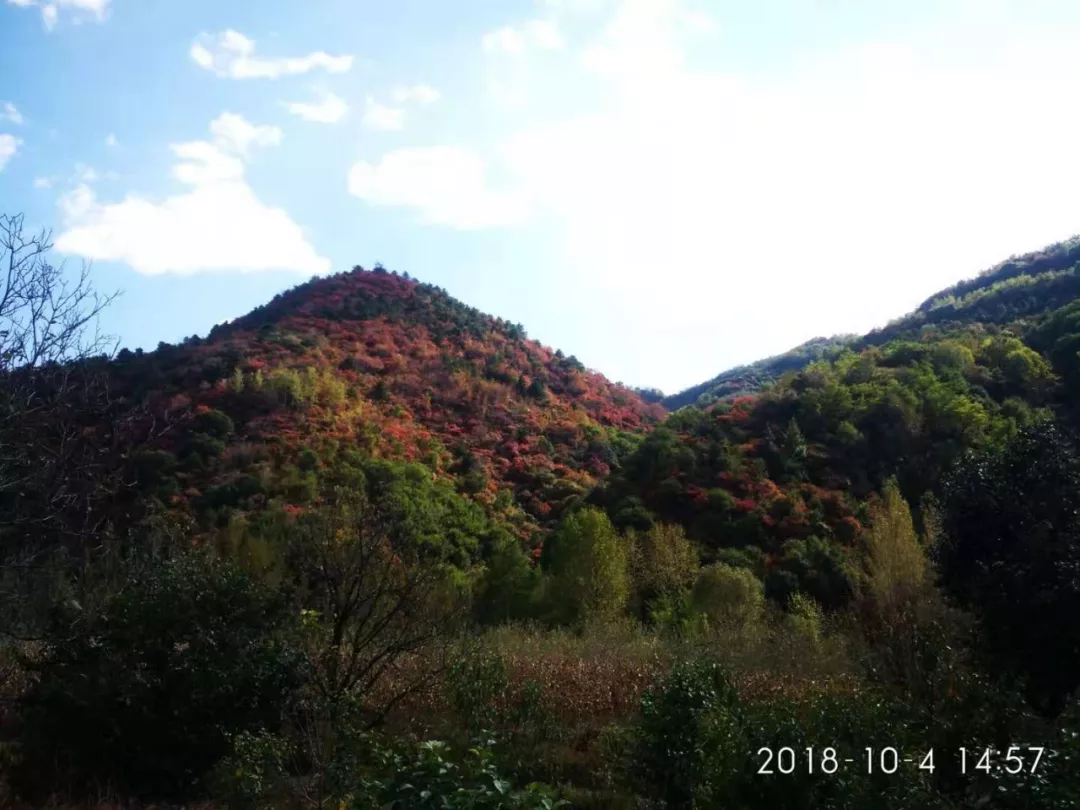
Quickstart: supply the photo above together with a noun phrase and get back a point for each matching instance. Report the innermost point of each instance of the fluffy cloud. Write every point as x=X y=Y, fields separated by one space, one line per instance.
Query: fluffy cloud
x=329 y=109
x=10 y=113
x=233 y=133
x=110 y=141
x=446 y=185
x=516 y=40
x=381 y=117
x=419 y=93
x=231 y=54
x=848 y=185
x=50 y=11
x=9 y=145
x=387 y=118
x=218 y=224
x=797 y=182
x=511 y=46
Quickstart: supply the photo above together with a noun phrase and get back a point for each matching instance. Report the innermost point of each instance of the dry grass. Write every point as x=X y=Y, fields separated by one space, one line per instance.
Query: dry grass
x=597 y=677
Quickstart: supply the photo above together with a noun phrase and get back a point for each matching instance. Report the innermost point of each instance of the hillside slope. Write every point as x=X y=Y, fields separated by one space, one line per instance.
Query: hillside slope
x=1021 y=288
x=754 y=376
x=779 y=478
x=372 y=365
x=375 y=365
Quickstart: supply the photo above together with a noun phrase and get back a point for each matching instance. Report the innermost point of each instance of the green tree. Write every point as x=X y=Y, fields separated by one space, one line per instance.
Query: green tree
x=813 y=566
x=589 y=566
x=1010 y=553
x=507 y=586
x=663 y=562
x=893 y=566
x=373 y=573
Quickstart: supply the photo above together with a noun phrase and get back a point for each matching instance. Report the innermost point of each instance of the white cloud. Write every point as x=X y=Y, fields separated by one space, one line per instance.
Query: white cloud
x=9 y=145
x=43 y=182
x=844 y=186
x=698 y=21
x=233 y=133
x=85 y=174
x=641 y=41
x=204 y=163
x=506 y=40
x=50 y=10
x=328 y=110
x=218 y=224
x=111 y=141
x=510 y=95
x=420 y=93
x=389 y=118
x=11 y=114
x=381 y=117
x=509 y=84
x=231 y=54
x=543 y=34
x=447 y=185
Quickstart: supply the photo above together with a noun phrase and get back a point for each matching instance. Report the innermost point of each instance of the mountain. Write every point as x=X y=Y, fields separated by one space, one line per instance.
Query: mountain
x=267 y=410
x=775 y=466
x=750 y=378
x=372 y=364
x=1022 y=287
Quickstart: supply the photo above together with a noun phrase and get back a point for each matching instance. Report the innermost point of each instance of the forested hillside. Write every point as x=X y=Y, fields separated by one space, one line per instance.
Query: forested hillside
x=1018 y=290
x=370 y=364
x=369 y=547
x=751 y=378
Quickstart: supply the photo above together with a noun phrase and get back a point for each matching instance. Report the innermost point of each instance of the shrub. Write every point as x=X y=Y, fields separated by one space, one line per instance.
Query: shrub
x=699 y=745
x=669 y=758
x=214 y=423
x=373 y=772
x=255 y=773
x=144 y=693
x=729 y=597
x=805 y=618
x=433 y=775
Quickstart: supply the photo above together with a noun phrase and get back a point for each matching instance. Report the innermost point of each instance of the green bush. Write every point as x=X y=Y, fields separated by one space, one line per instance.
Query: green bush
x=144 y=693
x=729 y=597
x=213 y=423
x=433 y=775
x=361 y=770
x=805 y=618
x=699 y=744
x=255 y=773
x=669 y=756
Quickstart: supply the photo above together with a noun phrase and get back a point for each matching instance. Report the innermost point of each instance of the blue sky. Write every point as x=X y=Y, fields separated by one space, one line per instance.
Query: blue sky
x=664 y=188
